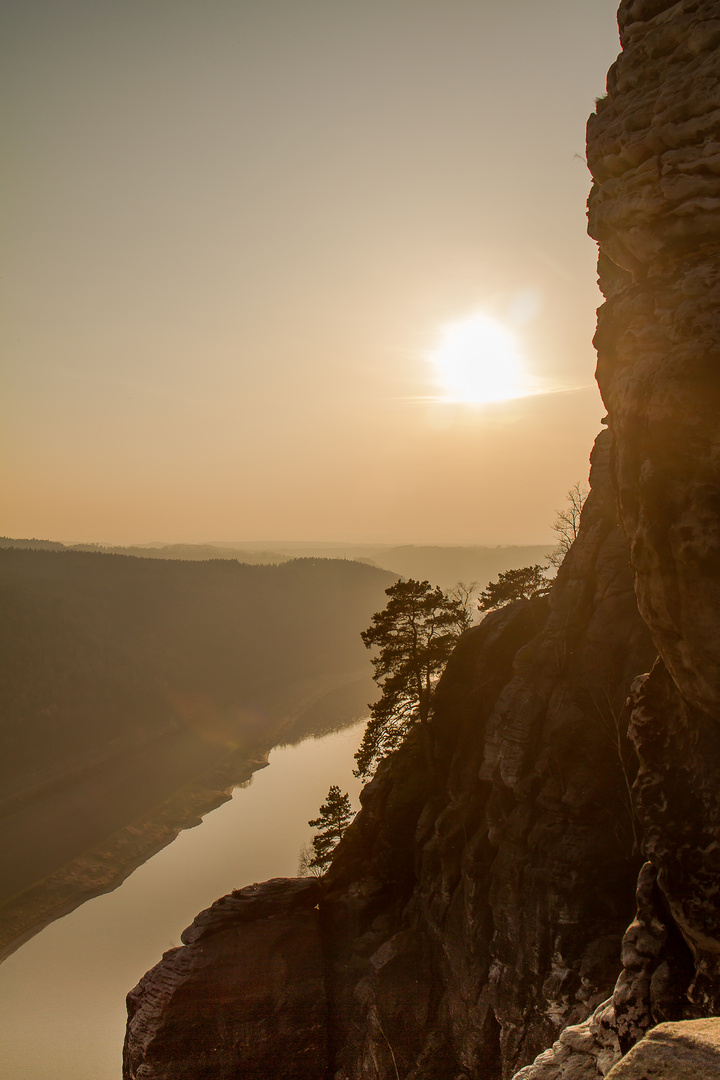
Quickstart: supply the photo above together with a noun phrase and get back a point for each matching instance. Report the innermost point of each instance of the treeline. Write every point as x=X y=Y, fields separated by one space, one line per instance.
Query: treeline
x=102 y=650
x=189 y=552
x=444 y=565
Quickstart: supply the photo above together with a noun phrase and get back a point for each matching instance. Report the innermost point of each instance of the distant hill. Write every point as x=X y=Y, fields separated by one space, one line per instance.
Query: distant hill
x=445 y=566
x=101 y=651
x=188 y=552
x=441 y=565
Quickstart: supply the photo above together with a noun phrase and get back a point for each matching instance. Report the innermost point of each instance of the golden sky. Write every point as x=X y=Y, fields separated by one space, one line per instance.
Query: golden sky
x=237 y=232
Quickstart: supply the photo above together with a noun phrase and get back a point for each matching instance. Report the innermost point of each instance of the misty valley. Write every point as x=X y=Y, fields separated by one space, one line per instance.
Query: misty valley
x=146 y=689
x=141 y=691
x=138 y=693
x=63 y=992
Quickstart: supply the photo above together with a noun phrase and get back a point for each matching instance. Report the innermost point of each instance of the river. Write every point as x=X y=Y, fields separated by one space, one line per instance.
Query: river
x=62 y=994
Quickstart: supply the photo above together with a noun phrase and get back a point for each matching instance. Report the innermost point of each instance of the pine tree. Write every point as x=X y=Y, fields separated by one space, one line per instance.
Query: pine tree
x=518 y=584
x=335 y=816
x=415 y=634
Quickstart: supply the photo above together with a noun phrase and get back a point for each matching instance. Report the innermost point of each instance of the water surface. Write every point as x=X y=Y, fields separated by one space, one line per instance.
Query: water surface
x=62 y=994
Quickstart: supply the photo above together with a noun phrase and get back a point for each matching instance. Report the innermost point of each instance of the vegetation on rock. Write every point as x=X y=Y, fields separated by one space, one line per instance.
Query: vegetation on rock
x=415 y=634
x=567 y=523
x=519 y=584
x=334 y=817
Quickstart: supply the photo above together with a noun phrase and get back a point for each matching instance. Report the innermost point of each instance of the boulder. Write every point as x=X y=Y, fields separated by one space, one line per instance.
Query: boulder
x=688 y=1050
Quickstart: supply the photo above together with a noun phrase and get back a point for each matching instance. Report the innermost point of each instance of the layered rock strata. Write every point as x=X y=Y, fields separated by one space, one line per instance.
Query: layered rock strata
x=472 y=913
x=654 y=151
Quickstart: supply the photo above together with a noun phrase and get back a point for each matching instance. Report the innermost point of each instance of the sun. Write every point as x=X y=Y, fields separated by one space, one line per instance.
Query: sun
x=477 y=361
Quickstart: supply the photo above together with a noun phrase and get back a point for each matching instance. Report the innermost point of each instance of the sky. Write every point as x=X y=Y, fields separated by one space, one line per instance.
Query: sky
x=242 y=240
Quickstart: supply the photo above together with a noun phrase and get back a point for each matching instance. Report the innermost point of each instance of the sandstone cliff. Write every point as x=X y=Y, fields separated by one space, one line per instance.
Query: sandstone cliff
x=654 y=152
x=475 y=913
x=472 y=913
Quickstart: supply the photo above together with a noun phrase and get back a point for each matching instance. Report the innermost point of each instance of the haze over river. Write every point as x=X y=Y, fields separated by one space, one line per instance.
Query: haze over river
x=62 y=994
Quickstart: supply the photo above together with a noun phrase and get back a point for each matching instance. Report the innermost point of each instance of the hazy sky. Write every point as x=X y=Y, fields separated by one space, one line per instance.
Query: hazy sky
x=236 y=231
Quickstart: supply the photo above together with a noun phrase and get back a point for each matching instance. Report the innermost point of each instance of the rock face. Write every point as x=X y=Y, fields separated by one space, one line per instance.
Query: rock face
x=654 y=152
x=472 y=913
x=684 y=1051
x=475 y=919
x=249 y=978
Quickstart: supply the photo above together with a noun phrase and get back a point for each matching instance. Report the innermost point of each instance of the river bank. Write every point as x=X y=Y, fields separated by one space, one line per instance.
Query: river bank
x=62 y=995
x=85 y=837
x=106 y=865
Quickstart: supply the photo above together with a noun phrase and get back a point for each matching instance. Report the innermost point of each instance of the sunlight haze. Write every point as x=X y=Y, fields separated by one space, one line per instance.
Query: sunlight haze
x=236 y=233
x=478 y=361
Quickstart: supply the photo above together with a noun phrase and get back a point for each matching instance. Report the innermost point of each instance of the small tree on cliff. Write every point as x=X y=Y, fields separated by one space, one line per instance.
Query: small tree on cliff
x=415 y=634
x=464 y=592
x=567 y=523
x=518 y=584
x=335 y=816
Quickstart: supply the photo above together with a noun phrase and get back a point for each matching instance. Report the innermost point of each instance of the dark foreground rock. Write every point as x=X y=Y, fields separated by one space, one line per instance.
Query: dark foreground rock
x=244 y=995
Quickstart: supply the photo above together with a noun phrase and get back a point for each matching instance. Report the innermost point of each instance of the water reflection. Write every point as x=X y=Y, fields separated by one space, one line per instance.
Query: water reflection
x=62 y=995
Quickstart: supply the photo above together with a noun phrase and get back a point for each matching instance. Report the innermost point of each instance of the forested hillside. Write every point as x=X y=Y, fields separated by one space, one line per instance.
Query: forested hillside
x=441 y=564
x=103 y=651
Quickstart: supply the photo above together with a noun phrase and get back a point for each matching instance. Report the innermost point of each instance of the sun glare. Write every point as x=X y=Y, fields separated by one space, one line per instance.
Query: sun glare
x=477 y=361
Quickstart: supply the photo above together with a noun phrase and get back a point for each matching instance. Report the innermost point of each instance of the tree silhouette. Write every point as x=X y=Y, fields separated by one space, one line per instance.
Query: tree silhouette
x=334 y=817
x=518 y=584
x=567 y=523
x=415 y=634
x=464 y=592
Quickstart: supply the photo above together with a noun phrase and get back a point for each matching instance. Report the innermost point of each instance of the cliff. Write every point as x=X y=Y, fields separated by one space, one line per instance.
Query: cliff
x=654 y=208
x=469 y=914
x=477 y=912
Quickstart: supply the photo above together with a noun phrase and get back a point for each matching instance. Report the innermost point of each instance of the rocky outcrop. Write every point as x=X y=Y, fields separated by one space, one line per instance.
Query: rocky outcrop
x=472 y=912
x=683 y=1051
x=583 y=1051
x=656 y=970
x=654 y=150
x=243 y=996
